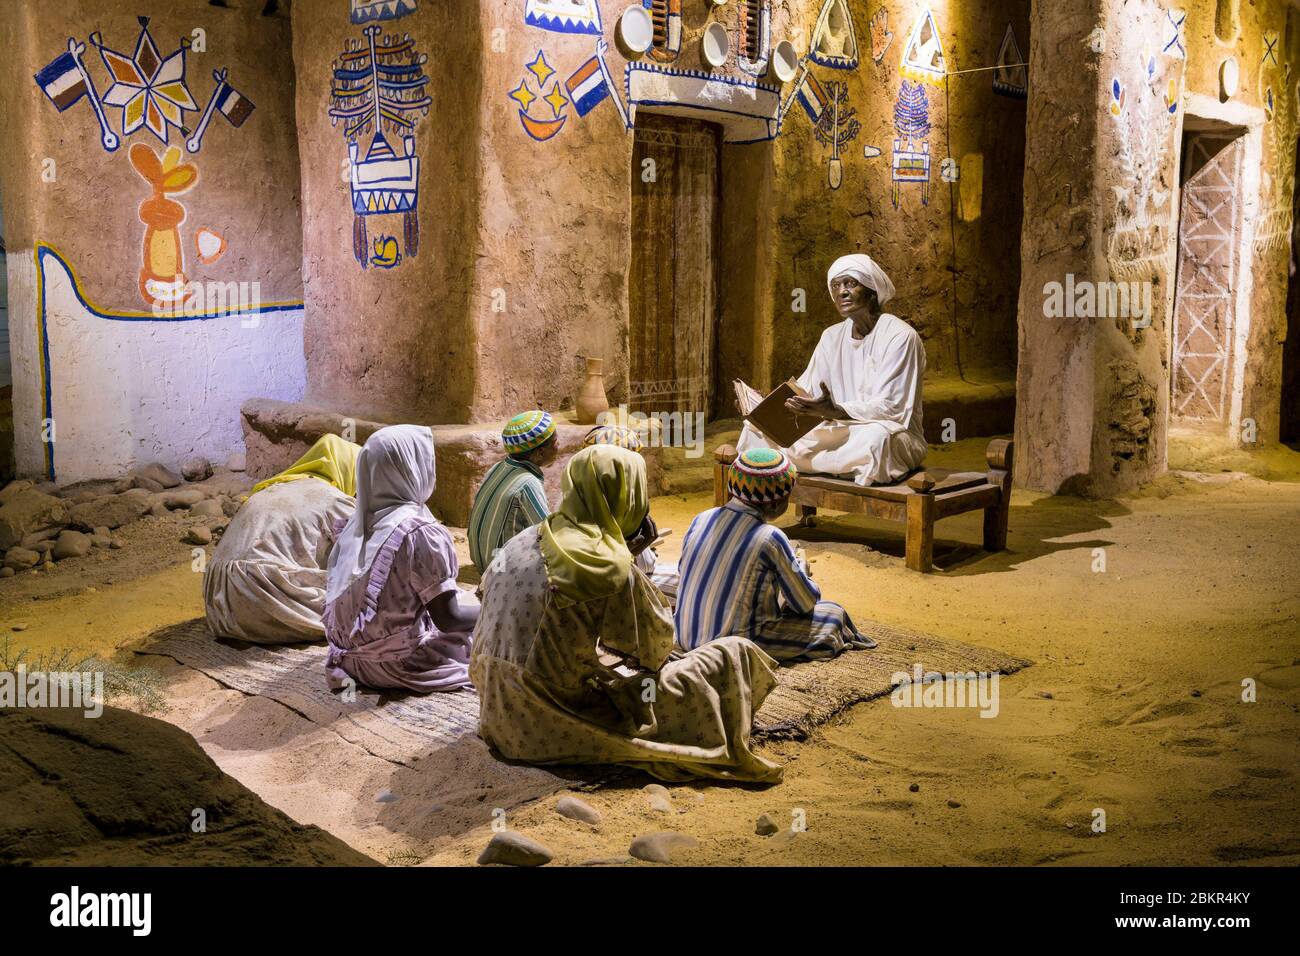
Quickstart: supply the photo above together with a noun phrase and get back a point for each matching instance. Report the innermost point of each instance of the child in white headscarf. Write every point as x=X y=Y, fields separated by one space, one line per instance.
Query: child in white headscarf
x=391 y=611
x=865 y=378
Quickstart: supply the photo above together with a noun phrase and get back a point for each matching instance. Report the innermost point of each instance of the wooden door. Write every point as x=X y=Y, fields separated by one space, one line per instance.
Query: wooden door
x=1206 y=290
x=672 y=287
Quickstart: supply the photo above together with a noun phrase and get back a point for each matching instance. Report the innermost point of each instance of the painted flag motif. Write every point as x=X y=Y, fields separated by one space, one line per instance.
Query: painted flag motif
x=234 y=106
x=812 y=98
x=62 y=81
x=587 y=87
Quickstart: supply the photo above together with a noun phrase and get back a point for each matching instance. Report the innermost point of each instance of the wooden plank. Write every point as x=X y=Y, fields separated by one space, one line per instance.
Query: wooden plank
x=968 y=499
x=849 y=503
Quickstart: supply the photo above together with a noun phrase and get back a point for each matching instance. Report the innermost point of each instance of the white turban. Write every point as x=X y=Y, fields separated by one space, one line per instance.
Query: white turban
x=864 y=269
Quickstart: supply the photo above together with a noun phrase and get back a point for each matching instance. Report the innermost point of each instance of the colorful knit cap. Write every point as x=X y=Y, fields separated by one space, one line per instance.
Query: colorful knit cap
x=761 y=476
x=614 y=435
x=526 y=431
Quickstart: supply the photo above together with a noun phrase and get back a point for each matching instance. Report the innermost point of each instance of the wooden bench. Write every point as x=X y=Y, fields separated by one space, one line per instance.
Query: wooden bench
x=916 y=502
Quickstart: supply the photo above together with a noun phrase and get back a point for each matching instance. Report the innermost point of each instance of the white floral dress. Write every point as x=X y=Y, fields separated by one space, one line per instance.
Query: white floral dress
x=599 y=682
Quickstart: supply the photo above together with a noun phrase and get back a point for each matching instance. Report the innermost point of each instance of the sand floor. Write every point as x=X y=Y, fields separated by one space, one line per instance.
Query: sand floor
x=1133 y=706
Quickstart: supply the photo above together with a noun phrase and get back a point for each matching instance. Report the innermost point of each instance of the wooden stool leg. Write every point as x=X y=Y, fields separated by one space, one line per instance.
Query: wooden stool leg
x=806 y=514
x=920 y=533
x=999 y=457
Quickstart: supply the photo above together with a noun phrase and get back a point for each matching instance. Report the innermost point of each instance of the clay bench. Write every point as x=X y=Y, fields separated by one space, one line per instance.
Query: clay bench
x=917 y=502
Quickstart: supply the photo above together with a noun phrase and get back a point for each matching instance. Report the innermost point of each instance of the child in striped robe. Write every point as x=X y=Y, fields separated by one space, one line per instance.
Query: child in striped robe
x=512 y=497
x=740 y=575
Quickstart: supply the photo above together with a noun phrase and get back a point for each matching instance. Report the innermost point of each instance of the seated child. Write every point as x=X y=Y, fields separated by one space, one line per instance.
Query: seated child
x=513 y=495
x=740 y=576
x=662 y=574
x=392 y=616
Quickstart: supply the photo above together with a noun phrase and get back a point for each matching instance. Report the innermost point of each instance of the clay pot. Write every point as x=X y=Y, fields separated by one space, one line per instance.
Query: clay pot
x=591 y=397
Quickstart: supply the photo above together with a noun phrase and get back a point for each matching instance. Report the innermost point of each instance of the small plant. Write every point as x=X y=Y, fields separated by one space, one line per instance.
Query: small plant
x=142 y=686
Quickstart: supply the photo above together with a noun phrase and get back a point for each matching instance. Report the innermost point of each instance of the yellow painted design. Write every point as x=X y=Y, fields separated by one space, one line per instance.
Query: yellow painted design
x=556 y=99
x=541 y=69
x=523 y=95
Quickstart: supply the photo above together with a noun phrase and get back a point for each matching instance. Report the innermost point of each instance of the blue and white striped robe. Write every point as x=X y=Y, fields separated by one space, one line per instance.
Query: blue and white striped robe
x=739 y=576
x=511 y=499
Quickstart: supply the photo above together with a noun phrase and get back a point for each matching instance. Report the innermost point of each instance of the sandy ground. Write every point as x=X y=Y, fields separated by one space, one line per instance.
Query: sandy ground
x=1133 y=707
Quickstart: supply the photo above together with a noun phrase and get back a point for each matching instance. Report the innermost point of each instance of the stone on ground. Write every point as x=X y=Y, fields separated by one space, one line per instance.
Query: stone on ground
x=198 y=535
x=182 y=498
x=237 y=462
x=13 y=488
x=109 y=511
x=159 y=474
x=765 y=826
x=72 y=544
x=20 y=559
x=576 y=809
x=660 y=847
x=27 y=511
x=196 y=468
x=208 y=508
x=514 y=849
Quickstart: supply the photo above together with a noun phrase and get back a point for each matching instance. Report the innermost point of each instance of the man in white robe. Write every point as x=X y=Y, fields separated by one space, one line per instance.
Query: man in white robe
x=865 y=376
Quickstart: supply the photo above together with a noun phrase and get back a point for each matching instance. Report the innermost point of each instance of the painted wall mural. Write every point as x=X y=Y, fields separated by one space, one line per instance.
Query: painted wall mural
x=834 y=42
x=363 y=11
x=162 y=277
x=836 y=127
x=882 y=38
x=1274 y=226
x=151 y=94
x=1144 y=123
x=911 y=165
x=540 y=128
x=379 y=88
x=923 y=57
x=1011 y=77
x=564 y=16
x=1175 y=44
x=148 y=88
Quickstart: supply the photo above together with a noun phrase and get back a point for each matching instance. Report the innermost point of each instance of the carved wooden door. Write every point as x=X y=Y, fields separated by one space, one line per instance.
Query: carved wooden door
x=672 y=286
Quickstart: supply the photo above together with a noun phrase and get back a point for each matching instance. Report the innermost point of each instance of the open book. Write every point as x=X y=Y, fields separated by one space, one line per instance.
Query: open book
x=770 y=416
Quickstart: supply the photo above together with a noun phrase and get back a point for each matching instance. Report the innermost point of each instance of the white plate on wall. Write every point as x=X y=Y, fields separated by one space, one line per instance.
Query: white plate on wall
x=636 y=33
x=715 y=44
x=785 y=61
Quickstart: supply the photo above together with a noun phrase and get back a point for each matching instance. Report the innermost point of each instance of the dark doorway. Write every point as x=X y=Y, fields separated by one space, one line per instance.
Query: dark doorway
x=1290 y=424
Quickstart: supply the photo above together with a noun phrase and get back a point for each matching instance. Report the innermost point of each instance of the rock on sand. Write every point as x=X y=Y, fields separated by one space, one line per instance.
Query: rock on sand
x=514 y=849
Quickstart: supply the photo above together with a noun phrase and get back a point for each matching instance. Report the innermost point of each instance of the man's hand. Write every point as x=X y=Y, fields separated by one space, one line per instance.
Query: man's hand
x=823 y=408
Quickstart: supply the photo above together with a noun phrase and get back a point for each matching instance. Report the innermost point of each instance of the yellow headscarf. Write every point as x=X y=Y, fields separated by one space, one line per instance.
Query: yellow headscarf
x=584 y=542
x=331 y=459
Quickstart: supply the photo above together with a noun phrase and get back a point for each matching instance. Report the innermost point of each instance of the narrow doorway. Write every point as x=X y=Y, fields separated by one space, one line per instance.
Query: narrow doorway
x=672 y=289
x=1205 y=299
x=1290 y=423
x=6 y=369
